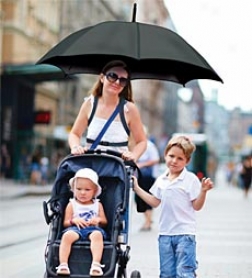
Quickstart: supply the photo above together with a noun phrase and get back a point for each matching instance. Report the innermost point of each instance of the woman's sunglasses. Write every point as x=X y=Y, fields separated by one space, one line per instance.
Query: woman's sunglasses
x=113 y=77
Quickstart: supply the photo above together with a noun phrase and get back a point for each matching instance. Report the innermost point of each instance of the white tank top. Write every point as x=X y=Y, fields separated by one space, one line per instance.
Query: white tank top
x=114 y=134
x=85 y=212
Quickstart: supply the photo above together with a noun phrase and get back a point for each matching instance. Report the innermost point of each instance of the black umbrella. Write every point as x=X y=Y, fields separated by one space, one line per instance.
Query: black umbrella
x=151 y=52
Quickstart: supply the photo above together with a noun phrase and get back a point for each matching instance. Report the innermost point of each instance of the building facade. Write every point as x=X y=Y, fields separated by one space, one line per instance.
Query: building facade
x=39 y=105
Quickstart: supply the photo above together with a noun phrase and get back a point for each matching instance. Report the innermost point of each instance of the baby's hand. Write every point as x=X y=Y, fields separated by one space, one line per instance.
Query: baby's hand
x=206 y=184
x=80 y=223
x=94 y=221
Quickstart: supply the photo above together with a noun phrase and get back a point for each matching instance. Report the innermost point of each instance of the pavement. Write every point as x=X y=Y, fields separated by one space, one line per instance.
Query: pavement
x=224 y=236
x=224 y=239
x=11 y=189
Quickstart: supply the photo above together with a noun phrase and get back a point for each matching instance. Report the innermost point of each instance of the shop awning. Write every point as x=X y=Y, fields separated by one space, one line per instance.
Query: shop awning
x=36 y=73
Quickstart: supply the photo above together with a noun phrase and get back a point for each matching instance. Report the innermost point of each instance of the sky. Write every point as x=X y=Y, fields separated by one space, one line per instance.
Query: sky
x=220 y=30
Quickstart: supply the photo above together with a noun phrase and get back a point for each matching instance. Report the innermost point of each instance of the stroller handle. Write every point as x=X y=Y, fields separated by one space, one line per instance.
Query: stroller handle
x=99 y=151
x=129 y=163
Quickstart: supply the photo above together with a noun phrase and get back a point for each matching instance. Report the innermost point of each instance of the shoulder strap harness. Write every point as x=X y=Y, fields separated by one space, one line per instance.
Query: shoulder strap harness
x=119 y=109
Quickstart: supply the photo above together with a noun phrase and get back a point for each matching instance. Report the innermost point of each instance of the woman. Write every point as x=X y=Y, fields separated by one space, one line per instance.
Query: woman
x=113 y=84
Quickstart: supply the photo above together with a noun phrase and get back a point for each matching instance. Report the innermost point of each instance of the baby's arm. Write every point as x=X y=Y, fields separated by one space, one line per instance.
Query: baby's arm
x=206 y=184
x=145 y=196
x=100 y=220
x=68 y=215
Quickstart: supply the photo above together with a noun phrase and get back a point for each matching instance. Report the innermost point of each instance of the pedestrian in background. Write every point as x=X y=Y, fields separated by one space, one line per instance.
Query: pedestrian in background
x=35 y=176
x=246 y=174
x=5 y=161
x=112 y=86
x=148 y=164
x=180 y=194
x=44 y=168
x=230 y=172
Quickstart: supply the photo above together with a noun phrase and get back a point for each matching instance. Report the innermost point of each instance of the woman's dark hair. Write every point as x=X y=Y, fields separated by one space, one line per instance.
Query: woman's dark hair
x=116 y=63
x=127 y=90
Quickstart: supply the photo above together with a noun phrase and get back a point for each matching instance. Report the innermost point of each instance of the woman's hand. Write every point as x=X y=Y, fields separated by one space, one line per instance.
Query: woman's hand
x=128 y=156
x=78 y=149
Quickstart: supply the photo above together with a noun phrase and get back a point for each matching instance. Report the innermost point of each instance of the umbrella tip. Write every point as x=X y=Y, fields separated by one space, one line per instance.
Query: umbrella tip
x=134 y=12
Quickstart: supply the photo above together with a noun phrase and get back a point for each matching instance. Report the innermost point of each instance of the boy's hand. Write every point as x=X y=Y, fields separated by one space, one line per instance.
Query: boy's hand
x=135 y=183
x=206 y=184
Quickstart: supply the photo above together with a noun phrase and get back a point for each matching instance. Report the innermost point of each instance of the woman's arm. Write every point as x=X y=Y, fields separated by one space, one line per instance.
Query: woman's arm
x=79 y=127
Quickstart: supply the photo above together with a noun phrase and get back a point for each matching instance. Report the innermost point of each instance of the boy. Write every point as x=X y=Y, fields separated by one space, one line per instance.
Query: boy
x=180 y=194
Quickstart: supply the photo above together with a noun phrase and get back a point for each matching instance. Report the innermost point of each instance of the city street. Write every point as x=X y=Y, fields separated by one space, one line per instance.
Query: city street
x=80 y=79
x=224 y=237
x=23 y=234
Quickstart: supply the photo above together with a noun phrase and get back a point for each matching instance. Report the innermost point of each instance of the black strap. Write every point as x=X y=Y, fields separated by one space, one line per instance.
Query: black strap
x=109 y=121
x=122 y=116
x=93 y=110
x=111 y=144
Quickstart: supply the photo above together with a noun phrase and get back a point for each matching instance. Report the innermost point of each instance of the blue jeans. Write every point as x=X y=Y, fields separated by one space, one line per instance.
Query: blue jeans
x=177 y=255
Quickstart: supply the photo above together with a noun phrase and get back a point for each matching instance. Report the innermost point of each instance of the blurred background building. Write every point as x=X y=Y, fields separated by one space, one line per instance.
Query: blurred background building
x=39 y=105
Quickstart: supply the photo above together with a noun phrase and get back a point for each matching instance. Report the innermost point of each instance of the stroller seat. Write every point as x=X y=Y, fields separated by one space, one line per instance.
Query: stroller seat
x=114 y=180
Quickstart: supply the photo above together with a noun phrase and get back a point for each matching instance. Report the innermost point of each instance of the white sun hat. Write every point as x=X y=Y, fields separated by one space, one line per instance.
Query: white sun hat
x=90 y=174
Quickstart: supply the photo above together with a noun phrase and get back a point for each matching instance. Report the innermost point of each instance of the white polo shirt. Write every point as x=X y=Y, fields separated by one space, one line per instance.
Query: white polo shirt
x=177 y=215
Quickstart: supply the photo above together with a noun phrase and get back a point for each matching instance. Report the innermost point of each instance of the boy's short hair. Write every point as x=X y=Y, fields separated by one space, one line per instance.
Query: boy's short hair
x=182 y=142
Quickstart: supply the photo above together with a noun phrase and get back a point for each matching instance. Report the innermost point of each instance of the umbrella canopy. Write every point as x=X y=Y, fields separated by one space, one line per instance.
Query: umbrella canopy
x=150 y=51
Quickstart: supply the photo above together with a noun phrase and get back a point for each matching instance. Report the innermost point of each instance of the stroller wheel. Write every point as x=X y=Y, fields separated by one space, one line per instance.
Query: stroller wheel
x=135 y=274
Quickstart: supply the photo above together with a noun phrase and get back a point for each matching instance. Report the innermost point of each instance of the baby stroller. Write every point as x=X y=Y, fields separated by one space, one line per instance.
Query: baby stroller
x=114 y=178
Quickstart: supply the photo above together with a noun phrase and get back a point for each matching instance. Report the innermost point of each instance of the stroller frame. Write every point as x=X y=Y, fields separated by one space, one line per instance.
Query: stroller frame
x=115 y=180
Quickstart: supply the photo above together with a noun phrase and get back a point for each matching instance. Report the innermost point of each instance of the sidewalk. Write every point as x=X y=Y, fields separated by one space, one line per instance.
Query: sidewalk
x=10 y=189
x=224 y=236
